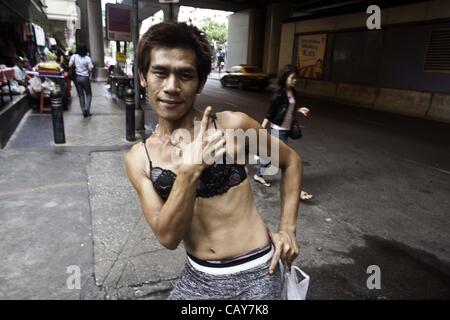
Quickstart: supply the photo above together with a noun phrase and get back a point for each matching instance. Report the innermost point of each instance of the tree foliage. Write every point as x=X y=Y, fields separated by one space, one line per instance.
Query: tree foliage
x=215 y=32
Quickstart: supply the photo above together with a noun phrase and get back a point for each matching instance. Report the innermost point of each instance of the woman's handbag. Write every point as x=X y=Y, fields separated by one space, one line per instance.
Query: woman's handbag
x=291 y=287
x=72 y=73
x=72 y=70
x=295 y=132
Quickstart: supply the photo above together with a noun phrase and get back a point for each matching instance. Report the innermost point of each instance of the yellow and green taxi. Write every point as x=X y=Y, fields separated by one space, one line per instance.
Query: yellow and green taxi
x=245 y=76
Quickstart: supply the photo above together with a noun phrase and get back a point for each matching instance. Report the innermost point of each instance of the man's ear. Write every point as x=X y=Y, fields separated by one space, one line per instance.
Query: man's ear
x=142 y=80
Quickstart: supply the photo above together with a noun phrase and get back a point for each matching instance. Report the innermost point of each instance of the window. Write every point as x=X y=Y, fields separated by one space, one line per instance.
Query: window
x=437 y=57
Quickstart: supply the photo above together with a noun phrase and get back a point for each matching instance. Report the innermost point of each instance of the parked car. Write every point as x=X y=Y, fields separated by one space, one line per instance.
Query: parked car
x=245 y=76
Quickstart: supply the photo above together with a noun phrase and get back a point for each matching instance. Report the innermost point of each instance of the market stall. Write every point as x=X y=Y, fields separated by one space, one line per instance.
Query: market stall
x=48 y=77
x=6 y=74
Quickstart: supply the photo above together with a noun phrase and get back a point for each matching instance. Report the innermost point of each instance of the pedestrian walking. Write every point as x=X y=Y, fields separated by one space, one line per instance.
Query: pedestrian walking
x=83 y=67
x=282 y=117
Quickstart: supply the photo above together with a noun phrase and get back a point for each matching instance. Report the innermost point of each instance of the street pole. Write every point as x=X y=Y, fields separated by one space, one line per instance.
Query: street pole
x=57 y=117
x=129 y=118
x=139 y=112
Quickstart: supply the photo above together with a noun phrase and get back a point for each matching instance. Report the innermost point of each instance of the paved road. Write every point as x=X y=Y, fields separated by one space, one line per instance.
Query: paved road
x=381 y=184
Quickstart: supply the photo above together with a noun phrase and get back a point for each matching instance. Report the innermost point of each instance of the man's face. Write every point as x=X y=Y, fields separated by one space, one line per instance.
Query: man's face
x=172 y=81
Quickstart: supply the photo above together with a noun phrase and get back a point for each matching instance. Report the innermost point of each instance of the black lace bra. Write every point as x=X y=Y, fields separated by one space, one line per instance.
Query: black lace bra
x=215 y=180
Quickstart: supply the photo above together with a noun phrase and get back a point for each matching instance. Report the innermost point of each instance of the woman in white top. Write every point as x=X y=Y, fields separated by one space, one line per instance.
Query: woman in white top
x=83 y=66
x=283 y=103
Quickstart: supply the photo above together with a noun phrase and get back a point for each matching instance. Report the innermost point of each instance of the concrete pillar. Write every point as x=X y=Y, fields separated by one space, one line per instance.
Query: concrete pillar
x=170 y=12
x=96 y=48
x=237 y=43
x=245 y=38
x=82 y=32
x=276 y=14
x=256 y=38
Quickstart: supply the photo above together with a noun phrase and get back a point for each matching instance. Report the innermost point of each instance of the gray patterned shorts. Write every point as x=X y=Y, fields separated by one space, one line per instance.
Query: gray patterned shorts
x=246 y=281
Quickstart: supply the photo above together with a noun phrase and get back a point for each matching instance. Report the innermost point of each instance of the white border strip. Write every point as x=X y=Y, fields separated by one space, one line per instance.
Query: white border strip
x=233 y=269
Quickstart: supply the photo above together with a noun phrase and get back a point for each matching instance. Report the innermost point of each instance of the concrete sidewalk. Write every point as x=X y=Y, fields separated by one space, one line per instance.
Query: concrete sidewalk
x=72 y=205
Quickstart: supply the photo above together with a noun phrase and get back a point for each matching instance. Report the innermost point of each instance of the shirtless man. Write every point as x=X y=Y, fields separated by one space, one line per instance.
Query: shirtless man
x=231 y=254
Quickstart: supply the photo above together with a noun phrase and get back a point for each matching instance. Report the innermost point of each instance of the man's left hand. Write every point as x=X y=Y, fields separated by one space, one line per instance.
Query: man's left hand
x=286 y=248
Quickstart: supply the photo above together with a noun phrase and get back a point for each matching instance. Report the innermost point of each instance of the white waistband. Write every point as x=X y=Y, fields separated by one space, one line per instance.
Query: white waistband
x=279 y=128
x=234 y=269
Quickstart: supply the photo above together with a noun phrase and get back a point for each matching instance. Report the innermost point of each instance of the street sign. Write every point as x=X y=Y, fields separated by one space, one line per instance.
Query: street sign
x=118 y=22
x=169 y=1
x=121 y=57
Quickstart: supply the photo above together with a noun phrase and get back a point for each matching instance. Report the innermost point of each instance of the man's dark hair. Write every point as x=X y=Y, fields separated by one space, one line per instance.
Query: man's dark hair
x=82 y=49
x=175 y=35
x=284 y=73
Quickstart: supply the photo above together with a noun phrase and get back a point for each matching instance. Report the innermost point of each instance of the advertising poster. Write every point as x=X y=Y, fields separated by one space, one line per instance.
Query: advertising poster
x=118 y=22
x=310 y=55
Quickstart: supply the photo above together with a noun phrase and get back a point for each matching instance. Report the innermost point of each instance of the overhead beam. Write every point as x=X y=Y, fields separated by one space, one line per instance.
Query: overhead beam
x=224 y=5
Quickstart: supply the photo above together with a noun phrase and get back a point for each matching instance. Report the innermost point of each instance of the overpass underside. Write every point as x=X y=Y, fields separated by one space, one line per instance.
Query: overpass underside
x=385 y=69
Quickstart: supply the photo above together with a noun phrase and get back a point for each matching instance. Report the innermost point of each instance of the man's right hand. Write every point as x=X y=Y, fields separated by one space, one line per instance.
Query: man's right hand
x=200 y=153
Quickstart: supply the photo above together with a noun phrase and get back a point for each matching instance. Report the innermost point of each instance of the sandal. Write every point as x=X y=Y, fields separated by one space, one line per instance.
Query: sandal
x=261 y=180
x=305 y=195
